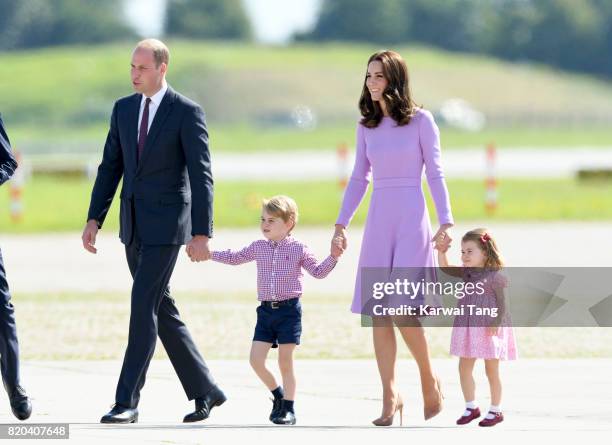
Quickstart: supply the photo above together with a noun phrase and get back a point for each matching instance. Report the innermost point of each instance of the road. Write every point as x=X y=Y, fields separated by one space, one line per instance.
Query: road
x=57 y=262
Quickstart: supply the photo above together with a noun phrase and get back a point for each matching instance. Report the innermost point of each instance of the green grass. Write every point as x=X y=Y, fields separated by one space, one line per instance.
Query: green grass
x=45 y=336
x=249 y=91
x=61 y=205
x=251 y=138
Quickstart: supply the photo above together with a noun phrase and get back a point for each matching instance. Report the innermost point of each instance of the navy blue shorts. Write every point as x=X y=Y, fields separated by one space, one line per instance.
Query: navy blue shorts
x=281 y=325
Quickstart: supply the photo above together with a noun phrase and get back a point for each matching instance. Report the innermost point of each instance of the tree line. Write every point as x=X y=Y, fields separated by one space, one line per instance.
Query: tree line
x=570 y=34
x=38 y=23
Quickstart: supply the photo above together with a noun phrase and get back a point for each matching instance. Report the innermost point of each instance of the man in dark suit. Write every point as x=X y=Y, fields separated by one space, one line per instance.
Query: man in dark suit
x=9 y=346
x=158 y=143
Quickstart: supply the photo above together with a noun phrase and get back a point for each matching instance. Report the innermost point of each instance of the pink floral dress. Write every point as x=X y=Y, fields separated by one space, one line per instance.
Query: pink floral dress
x=470 y=338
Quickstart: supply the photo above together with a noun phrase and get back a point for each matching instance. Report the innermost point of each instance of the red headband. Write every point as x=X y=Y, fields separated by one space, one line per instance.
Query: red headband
x=484 y=238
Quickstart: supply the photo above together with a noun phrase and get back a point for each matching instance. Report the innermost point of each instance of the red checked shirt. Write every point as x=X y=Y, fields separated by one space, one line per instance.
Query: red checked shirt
x=279 y=266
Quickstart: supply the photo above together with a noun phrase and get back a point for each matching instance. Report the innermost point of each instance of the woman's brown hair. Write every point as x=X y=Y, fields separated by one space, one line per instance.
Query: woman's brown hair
x=397 y=95
x=487 y=244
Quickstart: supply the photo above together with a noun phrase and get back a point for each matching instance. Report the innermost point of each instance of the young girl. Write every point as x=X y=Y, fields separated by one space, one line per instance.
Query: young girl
x=480 y=336
x=280 y=259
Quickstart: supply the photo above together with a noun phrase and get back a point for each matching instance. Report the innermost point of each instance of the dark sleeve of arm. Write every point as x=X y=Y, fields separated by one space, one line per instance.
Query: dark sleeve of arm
x=8 y=164
x=109 y=174
x=194 y=138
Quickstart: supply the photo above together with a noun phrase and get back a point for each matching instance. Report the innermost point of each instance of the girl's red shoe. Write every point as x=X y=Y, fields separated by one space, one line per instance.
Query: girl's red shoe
x=499 y=417
x=474 y=414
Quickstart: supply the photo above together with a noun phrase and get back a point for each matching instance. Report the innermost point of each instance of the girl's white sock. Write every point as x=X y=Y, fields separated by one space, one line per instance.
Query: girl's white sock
x=471 y=405
x=494 y=409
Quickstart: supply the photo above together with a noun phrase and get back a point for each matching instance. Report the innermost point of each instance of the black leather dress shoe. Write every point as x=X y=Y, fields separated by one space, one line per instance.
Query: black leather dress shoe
x=20 y=403
x=276 y=407
x=203 y=405
x=120 y=414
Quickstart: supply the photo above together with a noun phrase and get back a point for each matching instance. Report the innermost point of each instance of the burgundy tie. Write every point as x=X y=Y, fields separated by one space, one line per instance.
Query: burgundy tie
x=144 y=128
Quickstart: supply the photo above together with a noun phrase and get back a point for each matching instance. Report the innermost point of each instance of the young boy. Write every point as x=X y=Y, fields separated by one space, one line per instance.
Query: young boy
x=280 y=259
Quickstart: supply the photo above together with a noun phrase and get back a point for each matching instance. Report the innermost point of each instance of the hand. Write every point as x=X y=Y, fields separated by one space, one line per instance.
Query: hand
x=340 y=233
x=89 y=236
x=442 y=238
x=336 y=248
x=442 y=245
x=197 y=249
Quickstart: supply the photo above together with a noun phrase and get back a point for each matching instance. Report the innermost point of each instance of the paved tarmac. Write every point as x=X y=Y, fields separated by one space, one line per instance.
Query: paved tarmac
x=470 y=163
x=34 y=264
x=549 y=400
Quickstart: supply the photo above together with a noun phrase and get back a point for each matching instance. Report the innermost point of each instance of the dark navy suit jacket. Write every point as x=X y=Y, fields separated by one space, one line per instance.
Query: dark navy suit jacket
x=8 y=164
x=168 y=194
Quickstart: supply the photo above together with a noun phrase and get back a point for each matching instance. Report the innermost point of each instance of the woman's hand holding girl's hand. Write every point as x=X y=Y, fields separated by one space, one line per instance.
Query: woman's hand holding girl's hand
x=442 y=238
x=340 y=232
x=336 y=247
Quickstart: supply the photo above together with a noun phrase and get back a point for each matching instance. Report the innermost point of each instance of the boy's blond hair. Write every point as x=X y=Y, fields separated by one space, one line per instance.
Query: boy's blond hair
x=282 y=207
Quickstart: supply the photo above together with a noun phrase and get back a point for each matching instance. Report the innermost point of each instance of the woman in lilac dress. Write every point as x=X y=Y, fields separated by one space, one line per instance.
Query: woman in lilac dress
x=395 y=141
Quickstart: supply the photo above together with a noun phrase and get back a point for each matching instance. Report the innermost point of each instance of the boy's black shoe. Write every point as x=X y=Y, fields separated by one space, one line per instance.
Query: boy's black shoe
x=285 y=416
x=276 y=408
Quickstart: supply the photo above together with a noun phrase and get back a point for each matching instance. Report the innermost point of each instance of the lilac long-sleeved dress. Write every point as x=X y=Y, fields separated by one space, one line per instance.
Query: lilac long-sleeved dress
x=398 y=230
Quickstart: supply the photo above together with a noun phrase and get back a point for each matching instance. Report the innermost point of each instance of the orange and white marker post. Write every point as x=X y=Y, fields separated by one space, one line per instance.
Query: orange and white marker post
x=343 y=165
x=16 y=190
x=491 y=196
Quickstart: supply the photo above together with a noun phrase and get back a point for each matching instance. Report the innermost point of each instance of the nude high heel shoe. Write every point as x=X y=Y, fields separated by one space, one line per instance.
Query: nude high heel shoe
x=434 y=409
x=388 y=420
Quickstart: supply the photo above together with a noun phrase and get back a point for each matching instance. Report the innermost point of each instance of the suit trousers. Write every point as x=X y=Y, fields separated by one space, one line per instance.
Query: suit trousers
x=154 y=313
x=9 y=346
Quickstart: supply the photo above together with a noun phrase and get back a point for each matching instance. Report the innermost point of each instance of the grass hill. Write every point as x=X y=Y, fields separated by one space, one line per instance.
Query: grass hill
x=59 y=99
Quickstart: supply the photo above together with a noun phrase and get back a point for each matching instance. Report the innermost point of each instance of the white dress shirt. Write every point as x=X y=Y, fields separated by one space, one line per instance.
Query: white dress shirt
x=153 y=106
